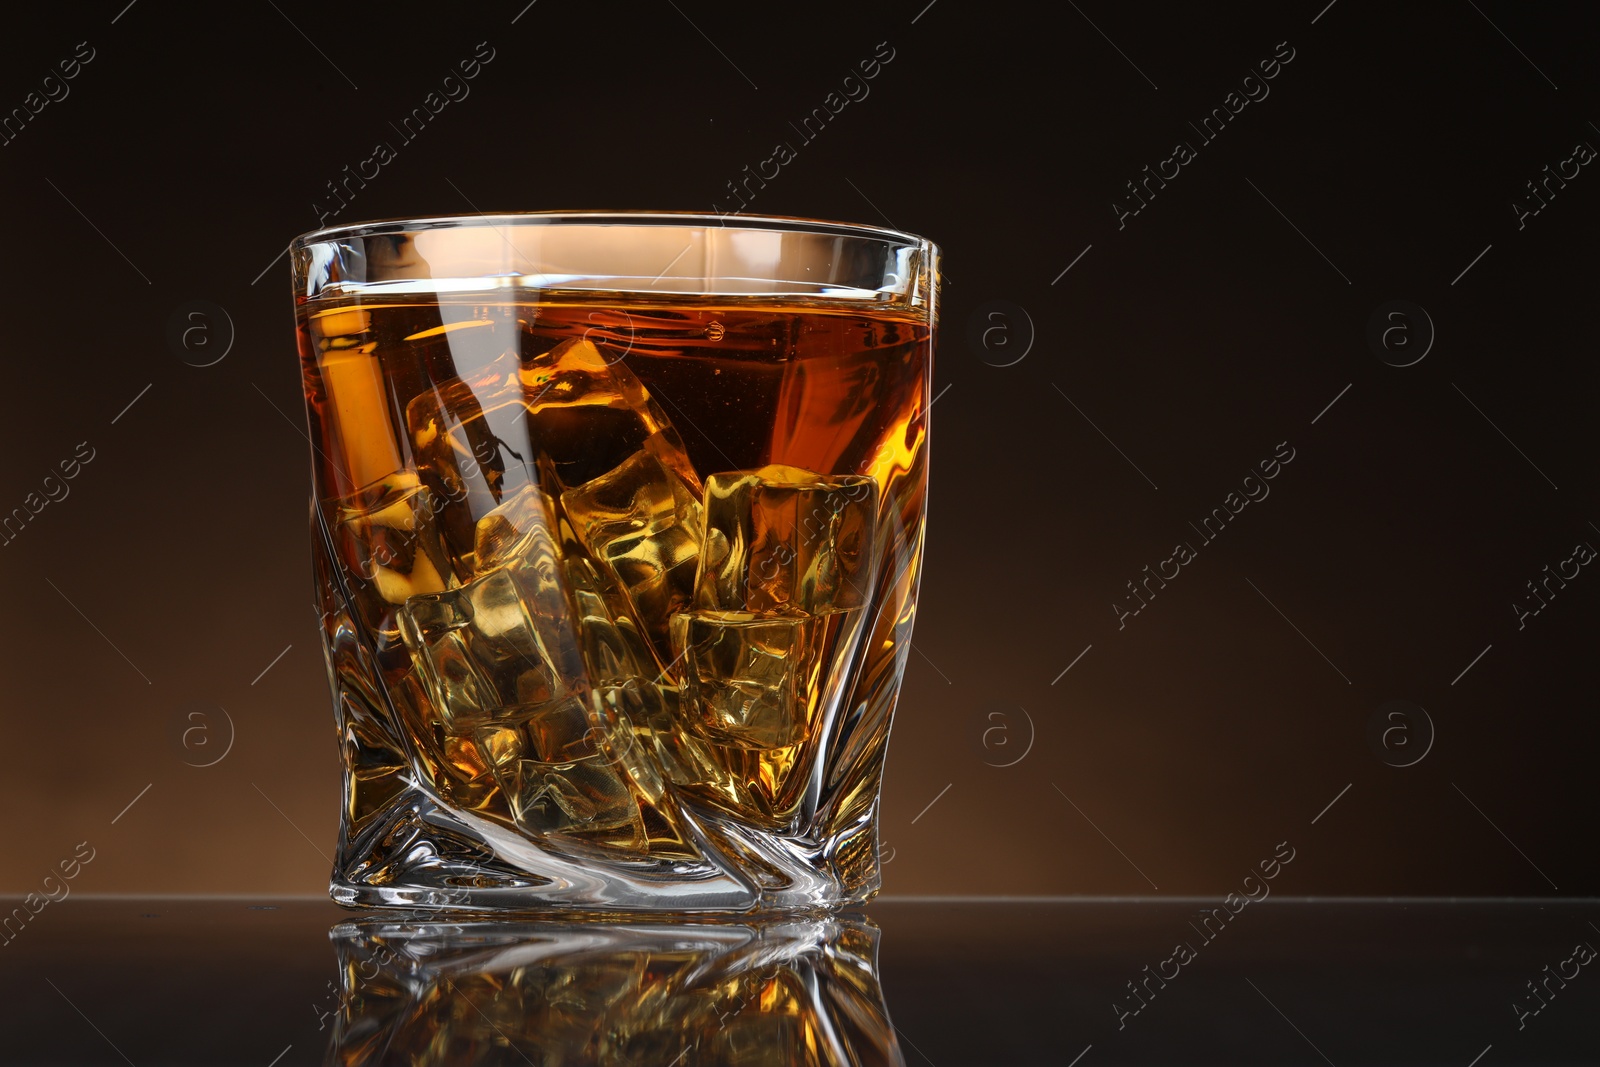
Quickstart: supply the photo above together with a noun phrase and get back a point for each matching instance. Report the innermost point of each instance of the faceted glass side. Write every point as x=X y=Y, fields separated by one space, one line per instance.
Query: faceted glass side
x=616 y=594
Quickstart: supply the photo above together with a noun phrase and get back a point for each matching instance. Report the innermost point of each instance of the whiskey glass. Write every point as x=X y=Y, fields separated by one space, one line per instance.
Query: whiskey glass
x=617 y=528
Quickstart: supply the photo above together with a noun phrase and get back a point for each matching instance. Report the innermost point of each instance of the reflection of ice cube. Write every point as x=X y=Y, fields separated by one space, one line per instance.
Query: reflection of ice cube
x=642 y=523
x=751 y=680
x=480 y=648
x=357 y=402
x=386 y=538
x=786 y=538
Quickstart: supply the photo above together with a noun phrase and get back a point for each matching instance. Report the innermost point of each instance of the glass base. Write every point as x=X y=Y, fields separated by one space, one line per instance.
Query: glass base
x=423 y=856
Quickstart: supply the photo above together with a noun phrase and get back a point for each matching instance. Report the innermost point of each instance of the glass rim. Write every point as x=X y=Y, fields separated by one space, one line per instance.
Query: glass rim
x=601 y=216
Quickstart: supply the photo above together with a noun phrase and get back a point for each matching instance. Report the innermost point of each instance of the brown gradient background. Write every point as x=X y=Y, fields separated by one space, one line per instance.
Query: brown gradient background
x=1196 y=339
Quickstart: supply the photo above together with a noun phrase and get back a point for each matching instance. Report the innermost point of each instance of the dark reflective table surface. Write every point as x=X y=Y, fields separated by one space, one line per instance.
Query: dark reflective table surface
x=289 y=981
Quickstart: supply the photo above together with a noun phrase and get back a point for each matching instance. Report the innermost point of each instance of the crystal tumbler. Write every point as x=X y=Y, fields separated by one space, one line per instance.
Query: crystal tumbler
x=617 y=528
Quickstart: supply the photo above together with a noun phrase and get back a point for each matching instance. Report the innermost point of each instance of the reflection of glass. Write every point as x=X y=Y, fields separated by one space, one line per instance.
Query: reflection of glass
x=617 y=528
x=780 y=993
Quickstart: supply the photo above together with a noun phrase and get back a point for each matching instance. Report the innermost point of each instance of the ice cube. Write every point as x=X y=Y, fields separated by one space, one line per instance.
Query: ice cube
x=382 y=551
x=468 y=781
x=591 y=414
x=560 y=731
x=483 y=647
x=644 y=734
x=609 y=648
x=516 y=537
x=642 y=523
x=452 y=763
x=751 y=680
x=472 y=455
x=629 y=688
x=784 y=538
x=519 y=528
x=558 y=419
x=555 y=765
x=654 y=712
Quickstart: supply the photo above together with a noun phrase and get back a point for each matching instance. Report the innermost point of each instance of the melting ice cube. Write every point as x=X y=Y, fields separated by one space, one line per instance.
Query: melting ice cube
x=642 y=523
x=752 y=680
x=786 y=538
